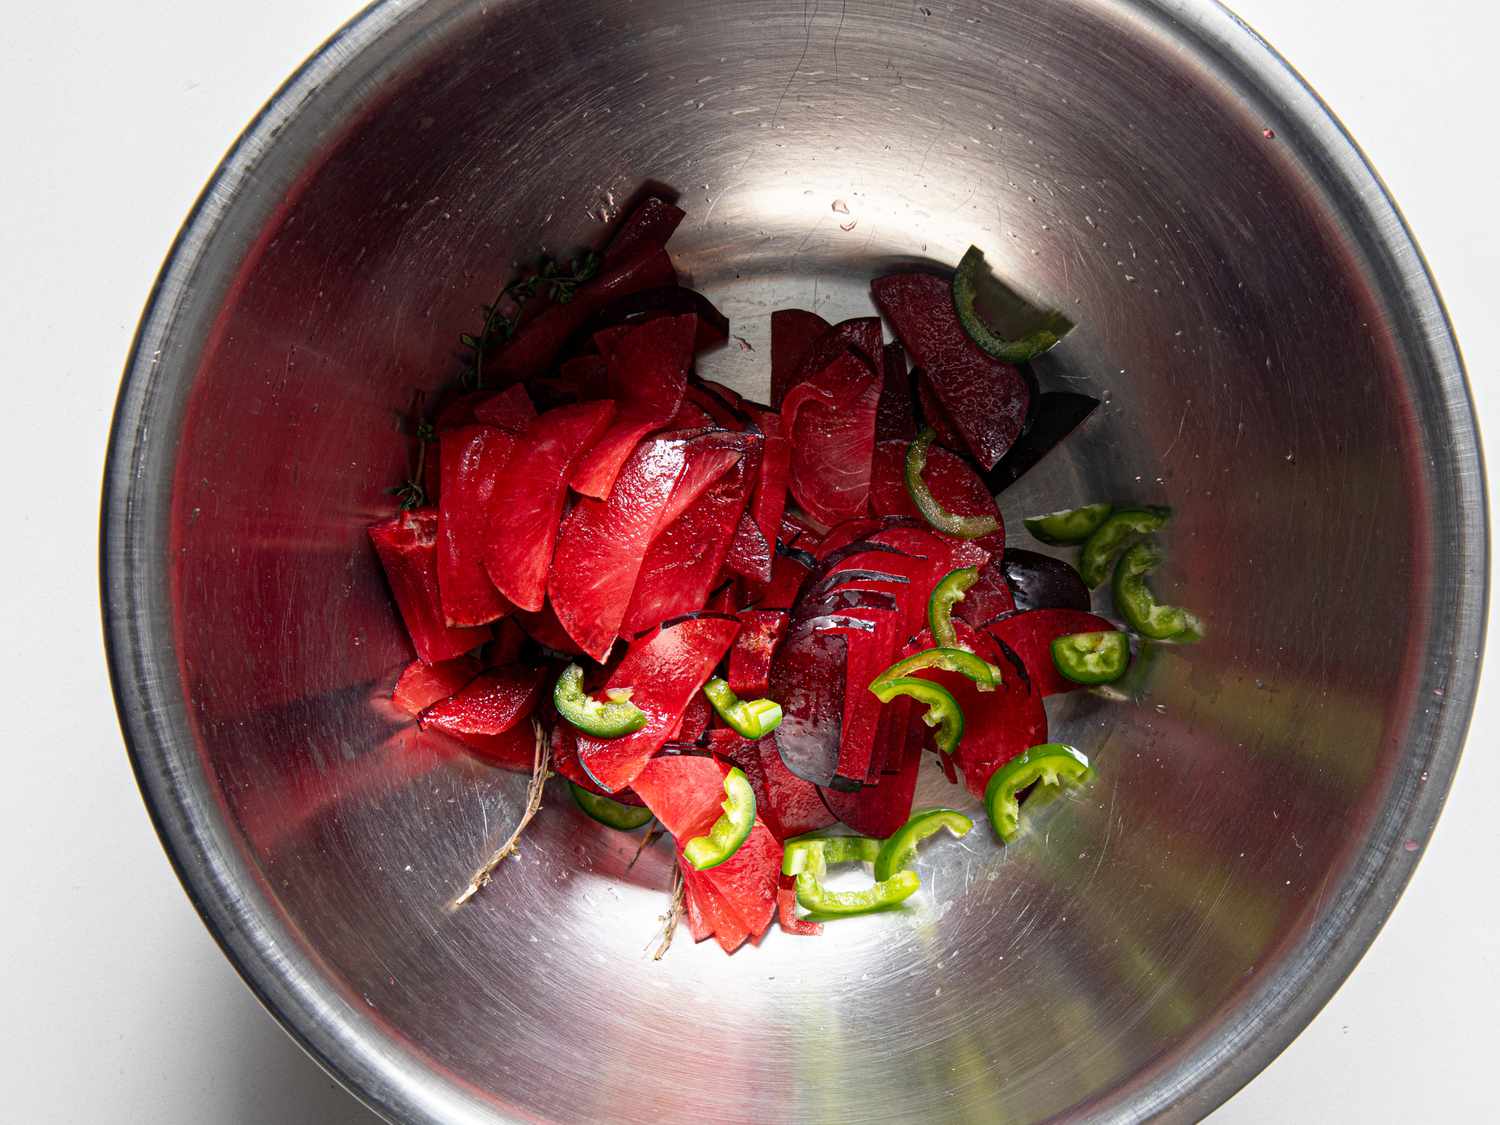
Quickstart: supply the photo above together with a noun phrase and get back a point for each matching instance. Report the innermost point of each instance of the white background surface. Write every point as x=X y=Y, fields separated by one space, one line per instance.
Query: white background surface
x=117 y=1006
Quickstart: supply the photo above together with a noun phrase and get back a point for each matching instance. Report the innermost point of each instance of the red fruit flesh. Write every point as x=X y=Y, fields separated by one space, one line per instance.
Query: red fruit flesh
x=683 y=562
x=896 y=417
x=986 y=400
x=713 y=326
x=565 y=762
x=789 y=805
x=1030 y=636
x=989 y=597
x=509 y=410
x=474 y=461
x=746 y=881
x=750 y=556
x=695 y=719
x=650 y=224
x=513 y=750
x=807 y=679
x=879 y=810
x=952 y=481
x=529 y=500
x=407 y=547
x=935 y=416
x=786 y=909
x=774 y=474
x=830 y=422
x=602 y=543
x=698 y=926
x=540 y=340
x=761 y=631
x=724 y=923
x=793 y=334
x=690 y=417
x=647 y=374
x=999 y=724
x=664 y=670
x=421 y=685
x=489 y=706
x=544 y=628
x=685 y=793
x=716 y=409
x=787 y=577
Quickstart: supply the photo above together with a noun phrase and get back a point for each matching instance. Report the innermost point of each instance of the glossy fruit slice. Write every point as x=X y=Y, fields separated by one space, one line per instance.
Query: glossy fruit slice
x=407 y=547
x=490 y=706
x=685 y=557
x=896 y=416
x=648 y=369
x=830 y=422
x=421 y=685
x=474 y=461
x=986 y=400
x=529 y=500
x=602 y=542
x=540 y=339
x=663 y=671
x=793 y=334
x=1030 y=636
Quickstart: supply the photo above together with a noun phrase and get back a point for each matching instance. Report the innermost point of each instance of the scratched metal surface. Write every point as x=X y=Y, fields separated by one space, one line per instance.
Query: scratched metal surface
x=1274 y=363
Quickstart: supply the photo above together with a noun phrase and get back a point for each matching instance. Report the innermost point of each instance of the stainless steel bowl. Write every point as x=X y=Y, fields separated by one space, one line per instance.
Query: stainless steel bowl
x=1275 y=362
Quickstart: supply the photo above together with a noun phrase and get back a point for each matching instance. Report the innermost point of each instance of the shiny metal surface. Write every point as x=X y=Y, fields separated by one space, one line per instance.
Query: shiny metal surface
x=1275 y=363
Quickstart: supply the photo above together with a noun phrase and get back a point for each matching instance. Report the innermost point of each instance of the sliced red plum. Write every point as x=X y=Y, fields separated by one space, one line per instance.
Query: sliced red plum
x=647 y=374
x=650 y=224
x=663 y=671
x=830 y=421
x=529 y=499
x=602 y=543
x=896 y=416
x=986 y=400
x=1030 y=636
x=540 y=340
x=421 y=685
x=683 y=562
x=750 y=556
x=474 y=461
x=1039 y=581
x=407 y=547
x=761 y=631
x=490 y=706
x=1056 y=414
x=793 y=334
x=807 y=679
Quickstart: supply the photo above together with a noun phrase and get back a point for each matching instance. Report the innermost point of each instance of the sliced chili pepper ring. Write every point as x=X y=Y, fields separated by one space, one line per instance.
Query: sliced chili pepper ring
x=943 y=711
x=600 y=719
x=609 y=813
x=1114 y=535
x=1138 y=605
x=1092 y=658
x=730 y=830
x=1051 y=765
x=752 y=718
x=1072 y=525
x=961 y=527
x=945 y=595
x=899 y=850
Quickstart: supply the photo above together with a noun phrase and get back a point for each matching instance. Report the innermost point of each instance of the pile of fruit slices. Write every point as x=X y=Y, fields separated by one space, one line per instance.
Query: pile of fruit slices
x=600 y=535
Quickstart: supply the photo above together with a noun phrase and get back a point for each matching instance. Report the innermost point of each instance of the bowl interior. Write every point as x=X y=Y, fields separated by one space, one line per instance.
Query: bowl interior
x=1272 y=364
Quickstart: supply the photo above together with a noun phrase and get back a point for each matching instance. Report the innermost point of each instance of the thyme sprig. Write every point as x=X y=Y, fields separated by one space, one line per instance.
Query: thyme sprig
x=503 y=316
x=411 y=493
